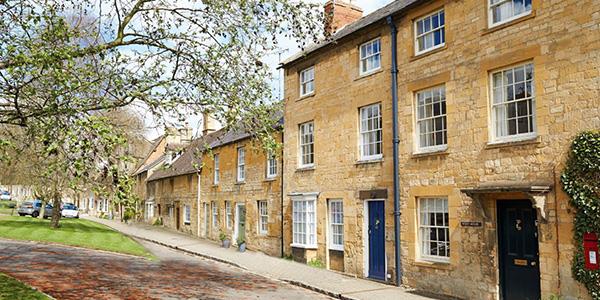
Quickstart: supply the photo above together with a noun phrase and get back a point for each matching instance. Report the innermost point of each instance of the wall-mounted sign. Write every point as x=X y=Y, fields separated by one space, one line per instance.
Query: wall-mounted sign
x=471 y=224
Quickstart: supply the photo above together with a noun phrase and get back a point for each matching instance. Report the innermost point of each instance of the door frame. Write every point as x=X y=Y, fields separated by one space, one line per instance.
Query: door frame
x=237 y=221
x=500 y=263
x=206 y=214
x=366 y=237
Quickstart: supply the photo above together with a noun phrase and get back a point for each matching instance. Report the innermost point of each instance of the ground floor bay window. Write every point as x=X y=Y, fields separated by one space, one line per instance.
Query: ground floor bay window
x=304 y=226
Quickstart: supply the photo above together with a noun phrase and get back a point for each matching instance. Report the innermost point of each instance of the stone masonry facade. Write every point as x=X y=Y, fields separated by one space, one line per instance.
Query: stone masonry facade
x=330 y=198
x=473 y=171
x=230 y=205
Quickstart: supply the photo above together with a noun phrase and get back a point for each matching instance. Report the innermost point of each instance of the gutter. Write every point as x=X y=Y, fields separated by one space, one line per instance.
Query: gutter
x=396 y=141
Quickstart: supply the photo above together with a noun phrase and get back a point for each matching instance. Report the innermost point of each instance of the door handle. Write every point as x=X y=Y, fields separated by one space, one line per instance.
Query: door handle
x=533 y=263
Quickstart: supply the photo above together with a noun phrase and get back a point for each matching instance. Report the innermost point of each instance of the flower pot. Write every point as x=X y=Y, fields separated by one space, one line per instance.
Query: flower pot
x=242 y=247
x=226 y=243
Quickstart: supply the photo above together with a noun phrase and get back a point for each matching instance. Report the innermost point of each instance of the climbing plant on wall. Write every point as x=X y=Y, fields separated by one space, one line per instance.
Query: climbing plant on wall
x=581 y=181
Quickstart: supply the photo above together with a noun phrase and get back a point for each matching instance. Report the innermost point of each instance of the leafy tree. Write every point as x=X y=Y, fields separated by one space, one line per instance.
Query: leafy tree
x=63 y=64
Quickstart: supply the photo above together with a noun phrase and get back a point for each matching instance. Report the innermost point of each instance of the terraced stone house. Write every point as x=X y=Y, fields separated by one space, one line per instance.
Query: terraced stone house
x=489 y=95
x=241 y=193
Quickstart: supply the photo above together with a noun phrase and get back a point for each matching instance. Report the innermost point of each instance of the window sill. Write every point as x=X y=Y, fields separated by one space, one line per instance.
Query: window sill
x=430 y=52
x=306 y=96
x=369 y=74
x=304 y=169
x=369 y=161
x=303 y=246
x=336 y=249
x=501 y=26
x=444 y=265
x=430 y=152
x=516 y=142
x=269 y=179
x=215 y=185
x=240 y=183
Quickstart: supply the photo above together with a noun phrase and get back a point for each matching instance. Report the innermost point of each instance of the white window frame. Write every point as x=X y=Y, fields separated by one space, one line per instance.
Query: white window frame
x=333 y=223
x=303 y=135
x=241 y=164
x=425 y=149
x=491 y=7
x=363 y=60
x=421 y=228
x=307 y=81
x=271 y=165
x=217 y=173
x=364 y=132
x=214 y=214
x=304 y=222
x=187 y=214
x=228 y=215
x=494 y=138
x=263 y=217
x=442 y=28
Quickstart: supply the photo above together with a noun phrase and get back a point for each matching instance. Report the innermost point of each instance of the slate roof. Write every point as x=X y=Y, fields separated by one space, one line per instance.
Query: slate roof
x=144 y=165
x=187 y=163
x=372 y=18
x=189 y=159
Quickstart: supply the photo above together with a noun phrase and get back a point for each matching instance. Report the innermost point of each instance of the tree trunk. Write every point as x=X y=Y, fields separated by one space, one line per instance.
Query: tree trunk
x=55 y=211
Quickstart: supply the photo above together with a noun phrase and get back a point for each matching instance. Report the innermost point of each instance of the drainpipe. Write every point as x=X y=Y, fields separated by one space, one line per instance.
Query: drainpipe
x=396 y=141
x=281 y=211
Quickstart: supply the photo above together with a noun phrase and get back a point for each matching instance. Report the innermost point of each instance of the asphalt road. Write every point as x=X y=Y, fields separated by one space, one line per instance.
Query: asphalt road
x=73 y=273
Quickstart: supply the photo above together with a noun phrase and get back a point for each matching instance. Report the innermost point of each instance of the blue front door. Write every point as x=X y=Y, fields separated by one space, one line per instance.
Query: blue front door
x=376 y=240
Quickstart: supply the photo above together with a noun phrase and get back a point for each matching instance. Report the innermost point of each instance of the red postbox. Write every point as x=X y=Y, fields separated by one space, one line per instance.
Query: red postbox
x=590 y=251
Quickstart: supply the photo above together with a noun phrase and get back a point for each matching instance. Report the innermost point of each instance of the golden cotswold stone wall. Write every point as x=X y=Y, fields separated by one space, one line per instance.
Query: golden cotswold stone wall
x=338 y=174
x=256 y=187
x=562 y=41
x=173 y=194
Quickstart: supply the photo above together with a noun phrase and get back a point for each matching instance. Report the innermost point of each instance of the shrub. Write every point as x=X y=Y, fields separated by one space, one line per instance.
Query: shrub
x=581 y=181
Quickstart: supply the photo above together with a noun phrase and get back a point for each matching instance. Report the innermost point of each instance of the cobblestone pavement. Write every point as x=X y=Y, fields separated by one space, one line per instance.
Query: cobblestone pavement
x=74 y=273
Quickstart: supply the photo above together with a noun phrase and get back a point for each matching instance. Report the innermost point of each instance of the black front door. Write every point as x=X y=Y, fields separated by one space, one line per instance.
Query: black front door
x=518 y=250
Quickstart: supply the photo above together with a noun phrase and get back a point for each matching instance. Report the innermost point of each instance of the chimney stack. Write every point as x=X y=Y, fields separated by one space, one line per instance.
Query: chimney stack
x=209 y=124
x=340 y=13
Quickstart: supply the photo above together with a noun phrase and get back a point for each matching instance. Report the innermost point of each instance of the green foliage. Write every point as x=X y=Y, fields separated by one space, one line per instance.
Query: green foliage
x=158 y=222
x=316 y=263
x=11 y=288
x=288 y=257
x=222 y=236
x=581 y=181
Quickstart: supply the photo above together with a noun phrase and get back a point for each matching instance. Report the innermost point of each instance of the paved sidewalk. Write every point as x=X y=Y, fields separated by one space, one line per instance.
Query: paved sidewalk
x=327 y=282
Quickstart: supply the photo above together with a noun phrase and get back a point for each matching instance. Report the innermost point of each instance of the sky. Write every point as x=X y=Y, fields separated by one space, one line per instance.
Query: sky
x=288 y=48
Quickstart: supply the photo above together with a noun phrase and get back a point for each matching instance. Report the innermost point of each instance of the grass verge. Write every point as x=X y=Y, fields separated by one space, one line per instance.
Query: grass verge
x=73 y=232
x=11 y=288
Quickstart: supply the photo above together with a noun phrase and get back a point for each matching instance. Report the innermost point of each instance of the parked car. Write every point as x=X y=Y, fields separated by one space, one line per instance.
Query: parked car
x=48 y=211
x=5 y=195
x=30 y=208
x=69 y=210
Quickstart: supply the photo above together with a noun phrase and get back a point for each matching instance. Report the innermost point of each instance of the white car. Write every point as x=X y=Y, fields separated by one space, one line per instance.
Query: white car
x=4 y=195
x=69 y=210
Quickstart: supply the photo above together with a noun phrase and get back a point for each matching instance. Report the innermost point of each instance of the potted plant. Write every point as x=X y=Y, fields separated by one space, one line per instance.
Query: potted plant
x=225 y=241
x=241 y=244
